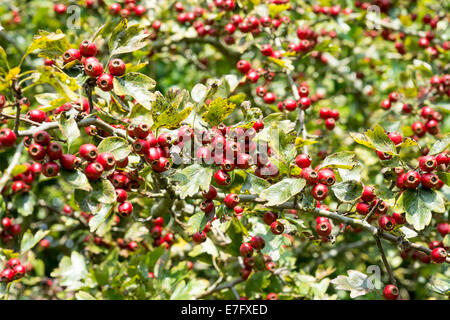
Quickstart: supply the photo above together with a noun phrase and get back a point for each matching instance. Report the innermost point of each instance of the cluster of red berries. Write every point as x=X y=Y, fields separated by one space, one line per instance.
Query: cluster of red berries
x=9 y=230
x=15 y=270
x=425 y=176
x=129 y=8
x=92 y=66
x=157 y=233
x=256 y=243
x=131 y=245
x=22 y=181
x=156 y=151
x=319 y=179
x=330 y=116
x=332 y=11
x=441 y=85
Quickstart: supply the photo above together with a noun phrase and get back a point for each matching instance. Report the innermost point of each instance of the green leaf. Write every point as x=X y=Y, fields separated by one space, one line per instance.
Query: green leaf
x=24 y=203
x=71 y=271
x=347 y=191
x=343 y=160
x=440 y=145
x=257 y=282
x=69 y=129
x=170 y=112
x=282 y=191
x=380 y=140
x=196 y=222
x=444 y=176
x=119 y=147
x=192 y=179
x=103 y=191
x=356 y=282
x=254 y=184
x=217 y=111
x=138 y=86
x=29 y=241
x=375 y=139
x=418 y=205
x=51 y=45
x=76 y=179
x=100 y=217
x=127 y=38
x=18 y=169
x=83 y=295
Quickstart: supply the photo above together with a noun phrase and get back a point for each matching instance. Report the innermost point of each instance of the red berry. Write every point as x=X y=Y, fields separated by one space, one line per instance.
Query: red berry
x=330 y=123
x=71 y=55
x=319 y=191
x=363 y=208
x=399 y=218
x=246 y=250
x=69 y=161
x=116 y=67
x=7 y=137
x=93 y=171
x=386 y=104
x=386 y=223
x=125 y=209
x=368 y=194
x=310 y=176
x=243 y=66
x=269 y=217
x=411 y=180
x=6 y=275
x=326 y=176
x=13 y=262
x=257 y=242
x=106 y=160
x=277 y=227
x=199 y=237
x=429 y=180
x=390 y=292
x=324 y=113
x=88 y=152
x=54 y=150
x=323 y=228
x=105 y=82
x=303 y=160
x=438 y=255
x=92 y=67
x=395 y=137
x=50 y=169
x=36 y=115
x=231 y=200
x=88 y=48
x=222 y=178
x=207 y=206
x=443 y=229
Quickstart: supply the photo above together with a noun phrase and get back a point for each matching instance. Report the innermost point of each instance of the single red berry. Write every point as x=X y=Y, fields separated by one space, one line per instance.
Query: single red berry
x=243 y=66
x=106 y=160
x=207 y=206
x=443 y=229
x=277 y=227
x=199 y=237
x=13 y=262
x=93 y=170
x=88 y=152
x=88 y=48
x=231 y=200
x=438 y=255
x=69 y=161
x=319 y=191
x=92 y=67
x=303 y=160
x=71 y=55
x=330 y=123
x=50 y=169
x=6 y=275
x=54 y=150
x=429 y=180
x=19 y=271
x=386 y=104
x=399 y=218
x=418 y=128
x=326 y=176
x=121 y=195
x=323 y=228
x=386 y=222
x=222 y=178
x=363 y=208
x=36 y=115
x=117 y=67
x=246 y=250
x=269 y=217
x=390 y=292
x=411 y=180
x=7 y=137
x=125 y=209
x=395 y=137
x=368 y=194
x=270 y=97
x=105 y=82
x=37 y=152
x=257 y=242
x=310 y=175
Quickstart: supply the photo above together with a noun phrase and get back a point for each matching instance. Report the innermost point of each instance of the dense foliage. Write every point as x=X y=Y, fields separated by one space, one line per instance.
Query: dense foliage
x=224 y=149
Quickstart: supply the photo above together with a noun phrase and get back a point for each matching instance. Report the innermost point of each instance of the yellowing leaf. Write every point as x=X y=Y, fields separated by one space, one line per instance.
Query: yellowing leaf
x=217 y=111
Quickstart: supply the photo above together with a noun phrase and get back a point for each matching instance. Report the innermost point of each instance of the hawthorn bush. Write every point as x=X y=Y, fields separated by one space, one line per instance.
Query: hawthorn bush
x=226 y=149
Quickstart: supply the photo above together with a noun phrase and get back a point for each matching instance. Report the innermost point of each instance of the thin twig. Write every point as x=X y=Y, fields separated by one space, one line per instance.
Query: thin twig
x=386 y=263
